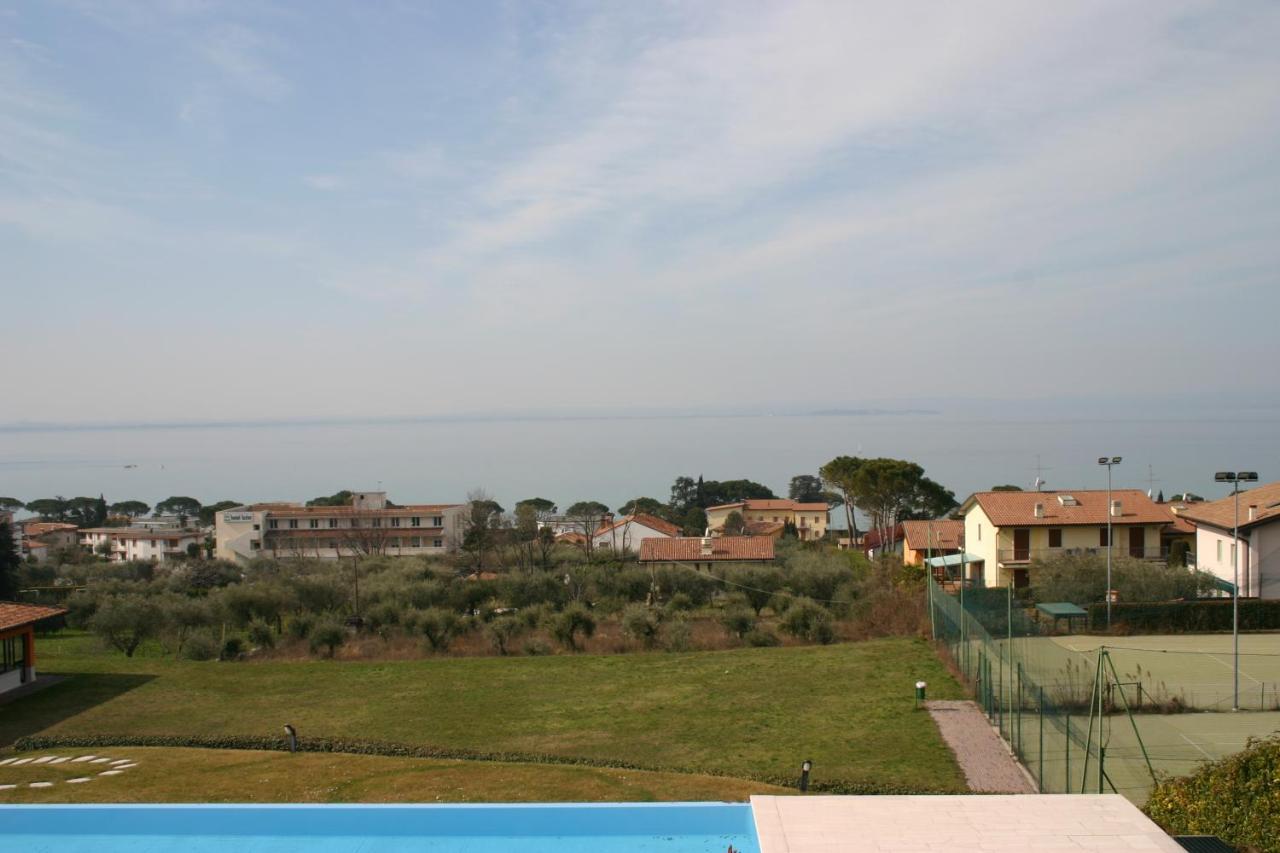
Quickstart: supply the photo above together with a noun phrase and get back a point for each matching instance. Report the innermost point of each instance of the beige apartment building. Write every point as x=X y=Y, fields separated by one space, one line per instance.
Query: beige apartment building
x=141 y=544
x=768 y=517
x=1006 y=532
x=369 y=526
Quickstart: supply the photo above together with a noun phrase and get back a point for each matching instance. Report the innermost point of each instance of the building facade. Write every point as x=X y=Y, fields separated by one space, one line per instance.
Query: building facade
x=761 y=517
x=369 y=526
x=935 y=538
x=624 y=535
x=1259 y=542
x=18 y=642
x=1005 y=533
x=125 y=544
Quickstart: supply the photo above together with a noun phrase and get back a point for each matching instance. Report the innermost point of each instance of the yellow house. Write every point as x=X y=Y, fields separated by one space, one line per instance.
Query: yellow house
x=768 y=517
x=1004 y=532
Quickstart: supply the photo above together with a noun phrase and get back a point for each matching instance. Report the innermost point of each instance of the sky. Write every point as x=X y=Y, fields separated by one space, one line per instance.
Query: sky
x=223 y=211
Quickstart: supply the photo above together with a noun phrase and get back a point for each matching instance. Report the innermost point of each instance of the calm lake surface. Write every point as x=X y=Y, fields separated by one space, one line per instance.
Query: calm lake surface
x=614 y=459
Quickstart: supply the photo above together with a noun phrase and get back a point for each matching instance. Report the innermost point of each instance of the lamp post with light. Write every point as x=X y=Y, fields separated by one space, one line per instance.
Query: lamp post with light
x=1110 y=462
x=1235 y=478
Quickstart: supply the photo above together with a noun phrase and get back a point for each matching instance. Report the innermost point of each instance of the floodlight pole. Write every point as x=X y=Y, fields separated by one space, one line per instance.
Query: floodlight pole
x=1235 y=599
x=1109 y=461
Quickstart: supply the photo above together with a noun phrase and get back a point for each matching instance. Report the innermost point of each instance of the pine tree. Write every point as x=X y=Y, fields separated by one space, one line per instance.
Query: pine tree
x=10 y=563
x=100 y=511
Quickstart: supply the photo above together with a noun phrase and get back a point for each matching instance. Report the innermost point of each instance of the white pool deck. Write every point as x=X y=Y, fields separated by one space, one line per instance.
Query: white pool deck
x=992 y=823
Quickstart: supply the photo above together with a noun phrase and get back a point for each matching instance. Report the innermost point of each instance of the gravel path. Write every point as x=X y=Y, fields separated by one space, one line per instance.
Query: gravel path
x=987 y=763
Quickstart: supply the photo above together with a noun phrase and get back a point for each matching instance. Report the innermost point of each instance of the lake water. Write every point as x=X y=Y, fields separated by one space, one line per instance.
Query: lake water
x=614 y=459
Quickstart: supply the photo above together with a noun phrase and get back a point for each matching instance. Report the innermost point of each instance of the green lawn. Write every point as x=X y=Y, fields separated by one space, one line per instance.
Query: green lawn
x=244 y=776
x=748 y=713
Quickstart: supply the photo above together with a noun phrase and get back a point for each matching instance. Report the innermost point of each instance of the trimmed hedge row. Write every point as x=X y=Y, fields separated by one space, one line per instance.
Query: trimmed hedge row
x=1176 y=617
x=32 y=743
x=1236 y=798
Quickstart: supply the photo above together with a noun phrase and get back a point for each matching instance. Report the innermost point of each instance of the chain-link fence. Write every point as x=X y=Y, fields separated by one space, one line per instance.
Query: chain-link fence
x=1084 y=715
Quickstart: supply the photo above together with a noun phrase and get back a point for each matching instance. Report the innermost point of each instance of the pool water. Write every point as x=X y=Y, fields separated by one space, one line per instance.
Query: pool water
x=663 y=828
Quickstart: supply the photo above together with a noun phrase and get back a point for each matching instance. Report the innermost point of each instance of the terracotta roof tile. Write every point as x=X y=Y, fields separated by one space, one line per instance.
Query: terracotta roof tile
x=777 y=503
x=1017 y=509
x=39 y=528
x=15 y=615
x=650 y=521
x=1221 y=513
x=689 y=549
x=947 y=534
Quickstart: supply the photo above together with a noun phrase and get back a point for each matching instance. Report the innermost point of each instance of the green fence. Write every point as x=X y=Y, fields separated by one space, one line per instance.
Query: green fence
x=1085 y=714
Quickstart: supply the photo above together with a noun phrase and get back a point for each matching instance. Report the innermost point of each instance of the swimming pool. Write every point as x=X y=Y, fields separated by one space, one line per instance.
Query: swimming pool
x=599 y=828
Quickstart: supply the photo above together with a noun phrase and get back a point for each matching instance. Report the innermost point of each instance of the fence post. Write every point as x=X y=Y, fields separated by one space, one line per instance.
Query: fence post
x=1067 y=752
x=1040 y=774
x=1102 y=756
x=1018 y=710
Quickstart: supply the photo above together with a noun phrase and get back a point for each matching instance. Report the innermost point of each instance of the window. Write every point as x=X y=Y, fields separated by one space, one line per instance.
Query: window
x=395 y=522
x=1219 y=550
x=1102 y=537
x=293 y=524
x=257 y=527
x=437 y=521
x=415 y=542
x=254 y=545
x=315 y=523
x=1055 y=537
x=355 y=522
x=437 y=543
x=377 y=522
x=416 y=521
x=273 y=524
x=333 y=522
x=13 y=654
x=155 y=544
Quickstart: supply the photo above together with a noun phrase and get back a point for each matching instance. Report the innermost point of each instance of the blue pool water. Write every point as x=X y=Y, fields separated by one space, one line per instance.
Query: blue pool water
x=663 y=828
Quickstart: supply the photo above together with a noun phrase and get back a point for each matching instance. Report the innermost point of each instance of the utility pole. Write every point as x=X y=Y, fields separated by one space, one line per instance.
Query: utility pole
x=1236 y=478
x=1110 y=462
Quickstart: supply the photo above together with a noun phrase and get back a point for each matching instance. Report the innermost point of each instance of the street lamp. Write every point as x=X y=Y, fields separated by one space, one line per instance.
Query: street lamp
x=1110 y=462
x=1236 y=478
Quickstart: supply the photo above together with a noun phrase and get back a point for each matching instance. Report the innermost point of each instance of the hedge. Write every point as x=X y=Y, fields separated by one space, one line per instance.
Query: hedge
x=1176 y=617
x=32 y=743
x=1236 y=798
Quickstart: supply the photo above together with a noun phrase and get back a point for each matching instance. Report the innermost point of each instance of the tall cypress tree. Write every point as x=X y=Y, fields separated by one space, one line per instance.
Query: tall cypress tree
x=10 y=563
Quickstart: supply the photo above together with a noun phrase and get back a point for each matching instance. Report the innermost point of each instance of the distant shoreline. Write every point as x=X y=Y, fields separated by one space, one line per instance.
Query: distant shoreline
x=442 y=419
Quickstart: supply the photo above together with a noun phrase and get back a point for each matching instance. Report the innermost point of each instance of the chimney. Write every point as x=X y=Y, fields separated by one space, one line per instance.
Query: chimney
x=706 y=546
x=1039 y=510
x=1253 y=512
x=1116 y=511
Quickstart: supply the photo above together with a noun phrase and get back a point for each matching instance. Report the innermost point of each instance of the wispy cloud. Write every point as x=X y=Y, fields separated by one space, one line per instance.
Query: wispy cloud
x=239 y=53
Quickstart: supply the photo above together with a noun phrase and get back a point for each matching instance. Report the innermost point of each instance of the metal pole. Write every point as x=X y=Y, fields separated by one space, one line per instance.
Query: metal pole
x=964 y=621
x=1067 y=753
x=1235 y=602
x=1040 y=773
x=1108 y=546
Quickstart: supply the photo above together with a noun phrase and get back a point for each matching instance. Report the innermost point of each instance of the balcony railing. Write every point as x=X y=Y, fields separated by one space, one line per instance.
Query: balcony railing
x=1027 y=555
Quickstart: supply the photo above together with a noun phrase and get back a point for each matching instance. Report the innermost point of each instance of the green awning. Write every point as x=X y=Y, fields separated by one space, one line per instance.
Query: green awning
x=1224 y=585
x=1061 y=609
x=951 y=560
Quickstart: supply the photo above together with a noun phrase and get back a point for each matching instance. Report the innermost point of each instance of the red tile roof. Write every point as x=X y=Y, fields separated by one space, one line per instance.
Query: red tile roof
x=285 y=510
x=689 y=549
x=39 y=528
x=15 y=615
x=941 y=534
x=872 y=537
x=650 y=521
x=1221 y=513
x=1178 y=524
x=1017 y=509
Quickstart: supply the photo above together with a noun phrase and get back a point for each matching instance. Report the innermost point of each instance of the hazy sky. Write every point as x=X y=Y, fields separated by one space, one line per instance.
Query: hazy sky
x=243 y=210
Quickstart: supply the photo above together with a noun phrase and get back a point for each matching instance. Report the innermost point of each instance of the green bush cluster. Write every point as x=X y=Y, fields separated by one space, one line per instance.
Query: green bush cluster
x=1235 y=798
x=1176 y=617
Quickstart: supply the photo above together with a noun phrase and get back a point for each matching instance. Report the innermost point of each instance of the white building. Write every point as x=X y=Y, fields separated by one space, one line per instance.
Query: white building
x=624 y=535
x=1259 y=543
x=368 y=526
x=140 y=543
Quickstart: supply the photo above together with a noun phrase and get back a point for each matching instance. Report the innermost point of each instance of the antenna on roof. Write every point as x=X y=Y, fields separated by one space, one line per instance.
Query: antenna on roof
x=1040 y=469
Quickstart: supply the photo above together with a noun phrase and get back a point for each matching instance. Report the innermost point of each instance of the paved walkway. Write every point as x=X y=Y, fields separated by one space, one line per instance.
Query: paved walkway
x=1045 y=823
x=988 y=765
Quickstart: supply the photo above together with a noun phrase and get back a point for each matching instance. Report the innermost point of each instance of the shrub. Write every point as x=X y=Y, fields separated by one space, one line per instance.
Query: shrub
x=1175 y=617
x=327 y=634
x=232 y=649
x=678 y=636
x=1233 y=798
x=261 y=635
x=126 y=621
x=641 y=624
x=762 y=638
x=439 y=626
x=737 y=621
x=200 y=646
x=1082 y=579
x=502 y=631
x=569 y=623
x=300 y=626
x=534 y=648
x=680 y=603
x=805 y=619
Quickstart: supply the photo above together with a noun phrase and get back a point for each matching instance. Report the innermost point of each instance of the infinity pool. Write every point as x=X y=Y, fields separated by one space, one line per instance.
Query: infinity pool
x=667 y=828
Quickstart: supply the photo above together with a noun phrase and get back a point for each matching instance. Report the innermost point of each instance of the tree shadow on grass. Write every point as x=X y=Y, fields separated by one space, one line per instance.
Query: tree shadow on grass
x=75 y=694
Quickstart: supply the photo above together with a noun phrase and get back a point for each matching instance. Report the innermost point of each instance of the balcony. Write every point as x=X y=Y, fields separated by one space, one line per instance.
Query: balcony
x=1022 y=556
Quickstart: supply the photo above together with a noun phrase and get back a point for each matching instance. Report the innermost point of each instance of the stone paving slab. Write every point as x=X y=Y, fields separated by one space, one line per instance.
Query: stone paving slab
x=996 y=823
x=984 y=758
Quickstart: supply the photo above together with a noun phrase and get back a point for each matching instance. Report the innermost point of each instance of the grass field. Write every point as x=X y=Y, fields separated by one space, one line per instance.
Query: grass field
x=746 y=713
x=214 y=775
